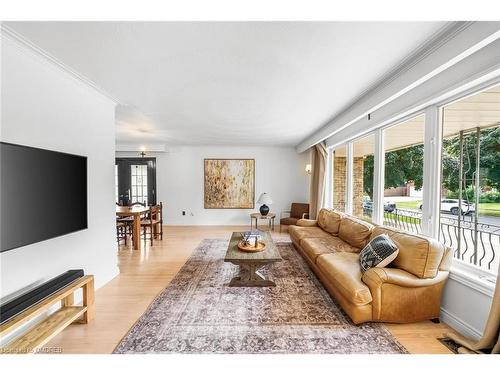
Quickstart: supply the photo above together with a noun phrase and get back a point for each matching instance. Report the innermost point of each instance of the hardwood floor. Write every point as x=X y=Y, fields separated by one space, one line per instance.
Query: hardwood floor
x=144 y=274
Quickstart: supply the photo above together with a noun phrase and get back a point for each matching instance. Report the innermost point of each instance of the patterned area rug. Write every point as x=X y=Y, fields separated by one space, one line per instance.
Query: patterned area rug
x=198 y=313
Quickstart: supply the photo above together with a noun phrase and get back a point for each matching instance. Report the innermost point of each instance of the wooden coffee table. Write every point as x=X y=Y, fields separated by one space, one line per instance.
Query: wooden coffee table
x=250 y=263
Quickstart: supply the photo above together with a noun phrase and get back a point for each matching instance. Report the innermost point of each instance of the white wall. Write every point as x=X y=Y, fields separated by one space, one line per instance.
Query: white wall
x=466 y=303
x=46 y=107
x=279 y=171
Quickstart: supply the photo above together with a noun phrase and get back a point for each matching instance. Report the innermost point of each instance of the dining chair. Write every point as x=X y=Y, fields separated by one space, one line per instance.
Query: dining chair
x=143 y=204
x=154 y=217
x=121 y=231
x=130 y=219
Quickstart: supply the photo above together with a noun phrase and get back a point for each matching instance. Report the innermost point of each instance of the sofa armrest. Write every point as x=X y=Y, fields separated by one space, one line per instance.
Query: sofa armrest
x=399 y=296
x=307 y=223
x=375 y=277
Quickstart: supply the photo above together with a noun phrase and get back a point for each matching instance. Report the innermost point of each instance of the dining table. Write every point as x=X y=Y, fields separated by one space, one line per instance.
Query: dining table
x=135 y=212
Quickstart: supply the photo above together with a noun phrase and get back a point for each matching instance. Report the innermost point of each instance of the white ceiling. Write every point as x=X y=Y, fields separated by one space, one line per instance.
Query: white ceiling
x=269 y=83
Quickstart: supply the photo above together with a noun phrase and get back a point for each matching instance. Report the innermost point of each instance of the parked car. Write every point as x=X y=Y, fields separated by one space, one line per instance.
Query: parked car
x=451 y=205
x=368 y=206
x=389 y=206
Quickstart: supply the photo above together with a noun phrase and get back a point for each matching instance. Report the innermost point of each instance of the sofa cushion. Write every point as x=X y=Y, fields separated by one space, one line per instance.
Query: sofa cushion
x=329 y=220
x=288 y=221
x=418 y=255
x=379 y=252
x=298 y=233
x=314 y=247
x=355 y=232
x=307 y=223
x=344 y=271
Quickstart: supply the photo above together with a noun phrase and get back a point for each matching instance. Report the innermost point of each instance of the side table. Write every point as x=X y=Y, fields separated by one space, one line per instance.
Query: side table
x=257 y=216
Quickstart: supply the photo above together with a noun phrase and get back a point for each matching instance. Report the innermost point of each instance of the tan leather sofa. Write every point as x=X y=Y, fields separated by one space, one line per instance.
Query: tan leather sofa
x=408 y=290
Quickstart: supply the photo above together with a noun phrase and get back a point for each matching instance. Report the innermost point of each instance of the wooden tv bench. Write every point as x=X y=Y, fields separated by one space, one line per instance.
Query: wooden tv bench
x=42 y=332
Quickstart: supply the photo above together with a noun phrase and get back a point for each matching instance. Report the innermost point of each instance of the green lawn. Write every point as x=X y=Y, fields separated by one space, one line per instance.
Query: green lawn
x=485 y=209
x=489 y=209
x=403 y=219
x=410 y=204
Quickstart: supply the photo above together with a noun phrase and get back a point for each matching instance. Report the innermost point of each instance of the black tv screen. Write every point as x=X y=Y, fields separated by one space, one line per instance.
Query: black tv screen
x=43 y=194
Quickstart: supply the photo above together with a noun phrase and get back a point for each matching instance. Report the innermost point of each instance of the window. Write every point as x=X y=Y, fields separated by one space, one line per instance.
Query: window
x=363 y=168
x=470 y=179
x=339 y=178
x=139 y=174
x=404 y=171
x=469 y=208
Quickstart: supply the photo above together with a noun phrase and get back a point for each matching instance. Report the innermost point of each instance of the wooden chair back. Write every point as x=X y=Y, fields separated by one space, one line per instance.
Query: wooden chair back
x=157 y=211
x=299 y=210
x=143 y=204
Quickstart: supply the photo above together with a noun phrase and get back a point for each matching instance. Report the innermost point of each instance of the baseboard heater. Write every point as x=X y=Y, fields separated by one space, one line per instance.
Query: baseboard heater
x=16 y=306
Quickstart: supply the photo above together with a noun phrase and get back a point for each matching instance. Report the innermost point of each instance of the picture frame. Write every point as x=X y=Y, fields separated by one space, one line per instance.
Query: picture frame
x=229 y=183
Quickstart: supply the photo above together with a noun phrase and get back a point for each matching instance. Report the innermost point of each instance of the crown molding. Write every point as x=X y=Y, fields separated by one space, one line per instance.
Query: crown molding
x=463 y=83
x=433 y=43
x=28 y=45
x=457 y=40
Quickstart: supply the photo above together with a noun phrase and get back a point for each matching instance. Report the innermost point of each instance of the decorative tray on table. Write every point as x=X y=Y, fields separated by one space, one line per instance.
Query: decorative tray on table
x=250 y=247
x=251 y=242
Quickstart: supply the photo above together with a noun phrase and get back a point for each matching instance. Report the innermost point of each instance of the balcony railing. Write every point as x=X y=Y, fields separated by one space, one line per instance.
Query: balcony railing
x=474 y=243
x=477 y=244
x=408 y=220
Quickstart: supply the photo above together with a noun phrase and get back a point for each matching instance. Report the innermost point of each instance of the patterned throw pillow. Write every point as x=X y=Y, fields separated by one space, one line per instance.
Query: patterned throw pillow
x=378 y=253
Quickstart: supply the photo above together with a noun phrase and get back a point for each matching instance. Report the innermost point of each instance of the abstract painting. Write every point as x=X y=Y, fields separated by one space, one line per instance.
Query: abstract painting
x=229 y=183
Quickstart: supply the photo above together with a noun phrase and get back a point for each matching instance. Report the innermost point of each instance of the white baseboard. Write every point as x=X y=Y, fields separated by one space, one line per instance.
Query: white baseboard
x=459 y=325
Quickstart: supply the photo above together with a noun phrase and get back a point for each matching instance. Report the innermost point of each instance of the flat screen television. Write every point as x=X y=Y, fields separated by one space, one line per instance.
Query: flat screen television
x=43 y=194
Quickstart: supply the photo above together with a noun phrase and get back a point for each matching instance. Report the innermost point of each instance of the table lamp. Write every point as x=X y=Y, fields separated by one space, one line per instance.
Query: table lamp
x=264 y=199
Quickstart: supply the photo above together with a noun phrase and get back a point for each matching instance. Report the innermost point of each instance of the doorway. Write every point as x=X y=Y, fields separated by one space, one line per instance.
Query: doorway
x=135 y=180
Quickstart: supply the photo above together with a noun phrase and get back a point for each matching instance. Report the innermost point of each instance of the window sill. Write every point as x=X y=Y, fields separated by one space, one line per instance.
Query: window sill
x=473 y=277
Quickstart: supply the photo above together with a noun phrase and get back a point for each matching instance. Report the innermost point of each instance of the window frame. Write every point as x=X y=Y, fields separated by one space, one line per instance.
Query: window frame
x=432 y=163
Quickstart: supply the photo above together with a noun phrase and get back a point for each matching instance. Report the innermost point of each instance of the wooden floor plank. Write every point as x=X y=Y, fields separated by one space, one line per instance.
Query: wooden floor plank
x=145 y=273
